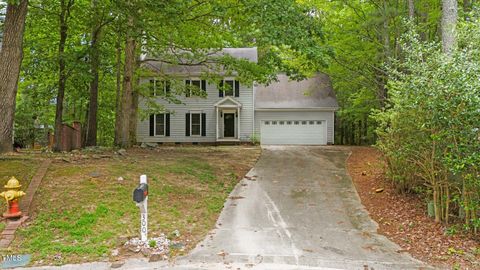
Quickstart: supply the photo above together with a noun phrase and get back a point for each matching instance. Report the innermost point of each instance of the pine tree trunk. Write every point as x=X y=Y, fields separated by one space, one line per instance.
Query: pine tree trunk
x=449 y=23
x=62 y=74
x=11 y=56
x=92 y=123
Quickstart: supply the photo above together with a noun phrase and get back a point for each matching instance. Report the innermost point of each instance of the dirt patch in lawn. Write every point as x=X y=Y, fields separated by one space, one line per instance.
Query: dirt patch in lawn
x=402 y=217
x=83 y=210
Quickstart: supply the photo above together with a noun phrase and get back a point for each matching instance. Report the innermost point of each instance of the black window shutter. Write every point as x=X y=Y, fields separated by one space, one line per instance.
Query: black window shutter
x=187 y=85
x=220 y=89
x=187 y=124
x=152 y=88
x=152 y=124
x=167 y=87
x=237 y=88
x=204 y=85
x=167 y=124
x=204 y=124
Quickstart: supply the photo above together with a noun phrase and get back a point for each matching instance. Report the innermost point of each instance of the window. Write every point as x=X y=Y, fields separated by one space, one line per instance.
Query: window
x=229 y=88
x=296 y=122
x=304 y=122
x=194 y=85
x=160 y=124
x=289 y=122
x=311 y=122
x=319 y=122
x=274 y=122
x=281 y=123
x=160 y=88
x=267 y=122
x=196 y=124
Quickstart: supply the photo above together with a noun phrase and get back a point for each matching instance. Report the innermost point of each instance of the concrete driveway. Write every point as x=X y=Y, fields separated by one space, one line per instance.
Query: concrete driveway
x=298 y=209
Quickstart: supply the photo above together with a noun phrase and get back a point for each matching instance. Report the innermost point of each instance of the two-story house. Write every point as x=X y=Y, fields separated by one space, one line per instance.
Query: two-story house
x=284 y=112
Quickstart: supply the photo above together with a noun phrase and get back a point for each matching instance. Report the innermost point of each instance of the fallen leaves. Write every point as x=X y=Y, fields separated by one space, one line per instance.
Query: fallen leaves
x=402 y=217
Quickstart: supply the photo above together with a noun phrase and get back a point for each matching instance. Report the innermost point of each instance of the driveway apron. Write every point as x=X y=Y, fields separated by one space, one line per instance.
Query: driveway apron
x=298 y=207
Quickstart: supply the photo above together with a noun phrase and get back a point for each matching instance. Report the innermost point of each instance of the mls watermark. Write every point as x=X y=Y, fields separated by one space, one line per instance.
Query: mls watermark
x=14 y=260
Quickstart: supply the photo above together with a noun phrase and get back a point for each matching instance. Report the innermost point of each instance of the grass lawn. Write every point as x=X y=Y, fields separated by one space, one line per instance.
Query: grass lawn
x=82 y=211
x=22 y=168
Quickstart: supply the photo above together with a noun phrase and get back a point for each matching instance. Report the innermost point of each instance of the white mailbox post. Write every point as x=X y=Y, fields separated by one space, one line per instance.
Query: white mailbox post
x=140 y=196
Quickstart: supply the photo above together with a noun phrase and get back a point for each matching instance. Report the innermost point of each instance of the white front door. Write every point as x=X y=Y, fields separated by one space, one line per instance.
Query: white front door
x=306 y=132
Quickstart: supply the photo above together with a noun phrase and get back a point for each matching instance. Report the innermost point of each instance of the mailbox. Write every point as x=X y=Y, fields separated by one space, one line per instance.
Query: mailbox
x=140 y=193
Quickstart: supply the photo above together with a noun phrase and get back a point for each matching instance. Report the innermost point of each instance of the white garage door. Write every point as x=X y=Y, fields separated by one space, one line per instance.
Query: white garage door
x=309 y=132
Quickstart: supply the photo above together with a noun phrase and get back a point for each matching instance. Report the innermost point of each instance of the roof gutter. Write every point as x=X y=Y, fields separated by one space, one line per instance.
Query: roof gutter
x=306 y=109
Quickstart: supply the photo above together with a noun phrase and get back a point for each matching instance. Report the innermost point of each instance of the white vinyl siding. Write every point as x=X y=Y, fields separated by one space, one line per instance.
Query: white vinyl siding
x=204 y=105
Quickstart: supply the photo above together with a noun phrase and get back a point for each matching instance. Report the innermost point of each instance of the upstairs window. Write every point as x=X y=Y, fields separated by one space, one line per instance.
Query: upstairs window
x=160 y=88
x=194 y=85
x=229 y=88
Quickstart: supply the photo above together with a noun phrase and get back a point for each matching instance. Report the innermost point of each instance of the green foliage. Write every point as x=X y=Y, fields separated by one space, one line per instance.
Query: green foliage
x=152 y=243
x=429 y=131
x=288 y=35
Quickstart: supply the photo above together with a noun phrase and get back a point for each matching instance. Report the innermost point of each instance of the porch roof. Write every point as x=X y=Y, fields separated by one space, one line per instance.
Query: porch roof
x=228 y=102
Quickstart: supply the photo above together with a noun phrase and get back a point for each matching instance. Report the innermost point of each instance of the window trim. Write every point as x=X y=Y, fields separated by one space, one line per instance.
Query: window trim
x=235 y=90
x=166 y=85
x=164 y=125
x=199 y=123
x=203 y=86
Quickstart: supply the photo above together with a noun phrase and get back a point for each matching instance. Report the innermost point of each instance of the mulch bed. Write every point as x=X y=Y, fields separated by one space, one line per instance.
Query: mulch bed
x=402 y=217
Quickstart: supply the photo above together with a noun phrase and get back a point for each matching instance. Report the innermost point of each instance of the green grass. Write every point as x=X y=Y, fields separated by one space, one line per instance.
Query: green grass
x=82 y=218
x=22 y=169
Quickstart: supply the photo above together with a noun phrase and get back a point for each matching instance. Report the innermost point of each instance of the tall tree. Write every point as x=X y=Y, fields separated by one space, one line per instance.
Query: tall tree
x=118 y=88
x=99 y=20
x=449 y=23
x=64 y=16
x=11 y=56
x=411 y=10
x=128 y=84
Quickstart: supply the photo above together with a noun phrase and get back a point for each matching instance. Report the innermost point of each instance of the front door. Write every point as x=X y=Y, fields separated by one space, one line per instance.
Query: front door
x=228 y=125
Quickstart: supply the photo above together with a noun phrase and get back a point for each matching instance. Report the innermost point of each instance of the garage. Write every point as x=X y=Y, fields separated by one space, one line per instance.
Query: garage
x=289 y=112
x=299 y=132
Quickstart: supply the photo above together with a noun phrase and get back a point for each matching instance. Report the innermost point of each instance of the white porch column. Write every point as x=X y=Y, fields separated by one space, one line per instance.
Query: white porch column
x=238 y=110
x=216 y=122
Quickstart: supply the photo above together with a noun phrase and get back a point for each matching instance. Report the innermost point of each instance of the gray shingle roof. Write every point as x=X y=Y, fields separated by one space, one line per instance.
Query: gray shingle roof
x=315 y=92
x=165 y=68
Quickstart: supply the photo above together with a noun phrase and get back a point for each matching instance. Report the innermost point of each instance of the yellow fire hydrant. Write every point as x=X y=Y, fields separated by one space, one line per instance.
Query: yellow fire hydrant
x=11 y=196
